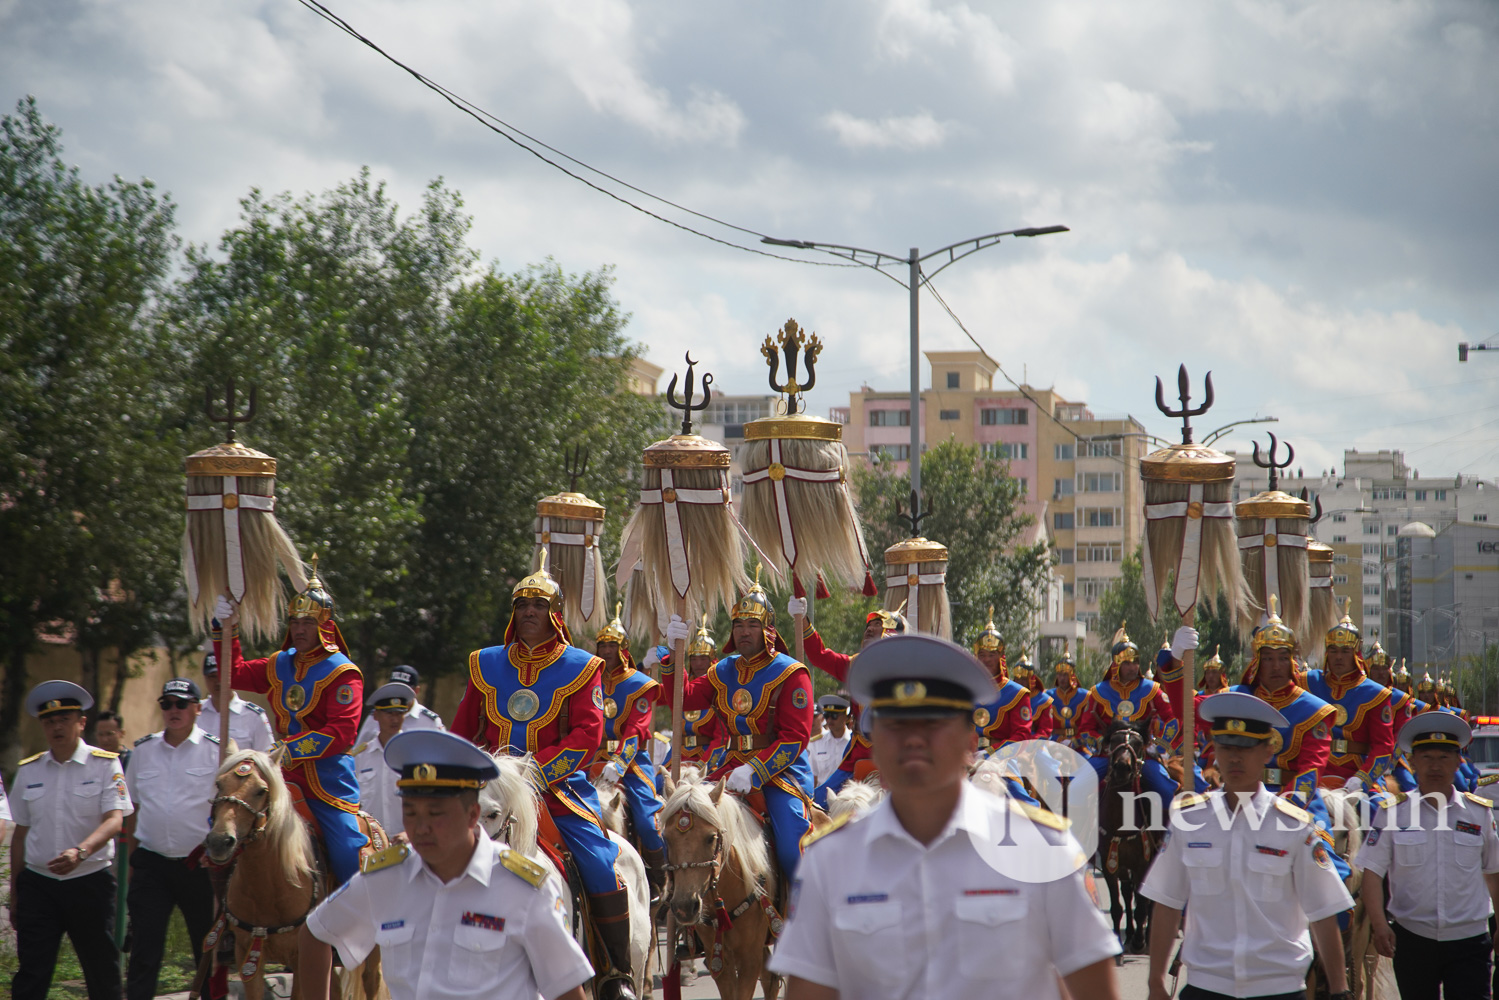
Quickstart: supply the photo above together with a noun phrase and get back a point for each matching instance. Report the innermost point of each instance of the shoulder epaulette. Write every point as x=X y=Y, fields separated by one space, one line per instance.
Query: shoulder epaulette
x=1394 y=799
x=1039 y=815
x=663 y=738
x=144 y=739
x=359 y=749
x=391 y=856
x=254 y=707
x=1480 y=800
x=523 y=866
x=28 y=760
x=1191 y=799
x=1292 y=810
x=107 y=754
x=1488 y=779
x=430 y=714
x=210 y=737
x=813 y=836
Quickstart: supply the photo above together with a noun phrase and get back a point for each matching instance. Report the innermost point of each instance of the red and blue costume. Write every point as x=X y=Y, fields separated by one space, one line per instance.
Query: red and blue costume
x=1141 y=703
x=629 y=697
x=1363 y=726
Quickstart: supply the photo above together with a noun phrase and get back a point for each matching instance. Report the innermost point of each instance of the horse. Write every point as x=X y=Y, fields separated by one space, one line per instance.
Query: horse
x=276 y=881
x=1125 y=842
x=854 y=799
x=723 y=883
x=510 y=812
x=1344 y=810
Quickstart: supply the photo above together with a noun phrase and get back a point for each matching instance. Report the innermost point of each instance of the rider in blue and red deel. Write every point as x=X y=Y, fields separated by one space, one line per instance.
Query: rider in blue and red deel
x=629 y=697
x=877 y=625
x=316 y=694
x=1067 y=699
x=1125 y=696
x=1042 y=719
x=1363 y=731
x=1006 y=719
x=764 y=698
x=538 y=694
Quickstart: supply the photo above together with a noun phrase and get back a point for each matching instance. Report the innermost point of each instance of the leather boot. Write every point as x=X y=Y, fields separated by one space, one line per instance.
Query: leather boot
x=655 y=869
x=611 y=918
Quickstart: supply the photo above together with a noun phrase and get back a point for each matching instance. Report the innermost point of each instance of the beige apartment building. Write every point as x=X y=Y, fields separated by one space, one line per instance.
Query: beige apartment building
x=1080 y=472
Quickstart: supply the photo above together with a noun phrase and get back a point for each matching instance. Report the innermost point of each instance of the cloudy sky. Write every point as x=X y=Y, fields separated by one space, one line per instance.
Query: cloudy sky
x=1297 y=195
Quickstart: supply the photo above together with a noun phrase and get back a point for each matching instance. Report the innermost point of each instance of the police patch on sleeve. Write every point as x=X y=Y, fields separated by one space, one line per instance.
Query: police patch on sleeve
x=1025 y=711
x=1319 y=855
x=642 y=706
x=1321 y=732
x=598 y=697
x=345 y=695
x=1385 y=716
x=799 y=698
x=1373 y=837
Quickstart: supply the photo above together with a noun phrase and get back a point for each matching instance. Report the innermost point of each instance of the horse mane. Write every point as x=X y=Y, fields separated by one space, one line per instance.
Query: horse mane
x=742 y=833
x=283 y=827
x=988 y=776
x=512 y=793
x=854 y=799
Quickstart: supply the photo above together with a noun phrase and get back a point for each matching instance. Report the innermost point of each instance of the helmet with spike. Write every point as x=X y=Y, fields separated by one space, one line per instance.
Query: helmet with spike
x=539 y=584
x=614 y=631
x=1345 y=634
x=702 y=644
x=1274 y=634
x=314 y=602
x=989 y=640
x=755 y=604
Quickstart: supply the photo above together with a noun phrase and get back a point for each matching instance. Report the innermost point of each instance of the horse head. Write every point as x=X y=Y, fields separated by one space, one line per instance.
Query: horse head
x=509 y=808
x=694 y=835
x=241 y=804
x=1126 y=746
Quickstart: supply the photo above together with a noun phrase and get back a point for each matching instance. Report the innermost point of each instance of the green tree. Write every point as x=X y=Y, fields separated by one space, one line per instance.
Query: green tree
x=975 y=512
x=90 y=505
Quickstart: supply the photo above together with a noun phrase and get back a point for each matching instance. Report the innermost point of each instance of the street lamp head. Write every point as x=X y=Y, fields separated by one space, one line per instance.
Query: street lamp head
x=798 y=244
x=1041 y=231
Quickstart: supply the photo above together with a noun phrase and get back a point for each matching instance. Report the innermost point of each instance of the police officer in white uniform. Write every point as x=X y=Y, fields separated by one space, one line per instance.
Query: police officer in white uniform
x=418 y=716
x=378 y=794
x=70 y=802
x=934 y=893
x=826 y=751
x=456 y=915
x=171 y=782
x=1439 y=852
x=1252 y=872
x=248 y=726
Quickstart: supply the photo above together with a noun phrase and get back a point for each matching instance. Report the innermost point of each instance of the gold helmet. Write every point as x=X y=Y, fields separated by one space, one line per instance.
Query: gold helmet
x=539 y=584
x=1344 y=635
x=314 y=602
x=1214 y=662
x=614 y=631
x=989 y=640
x=1426 y=684
x=1065 y=662
x=1400 y=673
x=702 y=644
x=1274 y=634
x=755 y=604
x=1123 y=649
x=891 y=622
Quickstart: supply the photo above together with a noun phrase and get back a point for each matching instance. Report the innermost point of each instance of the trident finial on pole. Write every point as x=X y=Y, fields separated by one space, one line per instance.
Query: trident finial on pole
x=230 y=417
x=1186 y=413
x=1270 y=462
x=1316 y=503
x=913 y=520
x=792 y=339
x=686 y=404
x=574 y=464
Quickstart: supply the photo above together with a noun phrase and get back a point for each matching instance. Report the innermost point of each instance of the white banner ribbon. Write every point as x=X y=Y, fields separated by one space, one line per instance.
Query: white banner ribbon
x=778 y=473
x=914 y=581
x=588 y=542
x=669 y=496
x=230 y=501
x=1189 y=565
x=1271 y=539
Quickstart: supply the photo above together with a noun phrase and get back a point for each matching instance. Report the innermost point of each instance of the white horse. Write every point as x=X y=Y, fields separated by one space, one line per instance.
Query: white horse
x=854 y=799
x=510 y=809
x=1364 y=963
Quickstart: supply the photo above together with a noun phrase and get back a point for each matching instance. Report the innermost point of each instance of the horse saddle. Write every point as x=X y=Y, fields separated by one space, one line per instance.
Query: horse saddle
x=375 y=837
x=864 y=768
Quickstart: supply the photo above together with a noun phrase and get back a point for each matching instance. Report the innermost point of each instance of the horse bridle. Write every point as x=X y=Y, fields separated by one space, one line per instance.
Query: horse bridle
x=262 y=816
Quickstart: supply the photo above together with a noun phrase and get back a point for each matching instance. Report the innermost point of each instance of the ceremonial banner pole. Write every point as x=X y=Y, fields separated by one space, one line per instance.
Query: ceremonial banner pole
x=1273 y=537
x=916 y=577
x=1189 y=528
x=570 y=529
x=797 y=505
x=684 y=533
x=234 y=543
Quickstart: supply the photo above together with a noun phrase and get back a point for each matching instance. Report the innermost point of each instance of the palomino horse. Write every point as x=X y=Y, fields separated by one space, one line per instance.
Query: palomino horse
x=1125 y=842
x=510 y=812
x=723 y=884
x=275 y=882
x=854 y=799
x=1348 y=812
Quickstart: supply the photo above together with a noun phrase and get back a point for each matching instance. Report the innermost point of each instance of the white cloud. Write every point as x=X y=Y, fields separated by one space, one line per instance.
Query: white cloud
x=919 y=131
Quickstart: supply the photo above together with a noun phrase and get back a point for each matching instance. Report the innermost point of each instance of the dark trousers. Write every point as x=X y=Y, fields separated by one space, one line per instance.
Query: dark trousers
x=1190 y=992
x=157 y=884
x=83 y=909
x=1426 y=969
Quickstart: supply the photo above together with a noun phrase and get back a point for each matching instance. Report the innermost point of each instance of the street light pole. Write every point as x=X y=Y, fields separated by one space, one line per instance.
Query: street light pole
x=878 y=260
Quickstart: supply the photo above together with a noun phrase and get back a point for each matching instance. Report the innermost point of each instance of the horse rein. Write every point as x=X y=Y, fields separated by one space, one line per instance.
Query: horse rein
x=262 y=816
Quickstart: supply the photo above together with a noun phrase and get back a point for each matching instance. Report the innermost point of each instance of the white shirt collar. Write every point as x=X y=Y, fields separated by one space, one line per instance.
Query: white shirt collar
x=480 y=864
x=971 y=816
x=80 y=754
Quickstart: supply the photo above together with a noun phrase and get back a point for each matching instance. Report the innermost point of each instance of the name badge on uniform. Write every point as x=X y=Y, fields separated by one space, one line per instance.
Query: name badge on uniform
x=484 y=920
x=991 y=892
x=1274 y=852
x=1199 y=843
x=873 y=897
x=390 y=925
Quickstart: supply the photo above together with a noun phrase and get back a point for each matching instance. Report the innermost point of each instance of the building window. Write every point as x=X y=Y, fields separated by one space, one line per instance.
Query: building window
x=1062 y=452
x=1061 y=522
x=1009 y=450
x=1371 y=529
x=1098 y=553
x=1339 y=538
x=1420 y=494
x=1339 y=518
x=1389 y=529
x=1371 y=610
x=1371 y=569
x=1480 y=517
x=1388 y=493
x=1439 y=494
x=952 y=380
x=1088 y=620
x=1371 y=550
x=1371 y=590
x=1100 y=482
x=1090 y=590
x=1105 y=449
x=890 y=418
x=1066 y=590
x=1389 y=550
x=949 y=415
x=1066 y=556
x=1340 y=579
x=1025 y=488
x=1061 y=488
x=994 y=416
x=1339 y=557
x=1101 y=517
x=890 y=452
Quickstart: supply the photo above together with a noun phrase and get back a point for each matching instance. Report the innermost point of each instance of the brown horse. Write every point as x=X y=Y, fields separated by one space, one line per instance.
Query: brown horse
x=1125 y=845
x=722 y=884
x=275 y=882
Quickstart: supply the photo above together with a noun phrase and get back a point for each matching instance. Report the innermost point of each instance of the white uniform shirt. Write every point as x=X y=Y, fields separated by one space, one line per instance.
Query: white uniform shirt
x=4 y=804
x=1434 y=864
x=875 y=914
x=173 y=790
x=62 y=803
x=378 y=794
x=488 y=933
x=1250 y=890
x=418 y=716
x=248 y=726
x=826 y=753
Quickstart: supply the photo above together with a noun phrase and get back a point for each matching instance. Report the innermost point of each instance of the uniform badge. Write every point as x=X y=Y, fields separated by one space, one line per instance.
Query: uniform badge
x=1126 y=709
x=1025 y=711
x=523 y=704
x=642 y=706
x=1320 y=733
x=1319 y=855
x=345 y=695
x=799 y=698
x=484 y=920
x=981 y=717
x=1385 y=716
x=693 y=715
x=742 y=701
x=611 y=709
x=1090 y=885
x=296 y=697
x=1373 y=837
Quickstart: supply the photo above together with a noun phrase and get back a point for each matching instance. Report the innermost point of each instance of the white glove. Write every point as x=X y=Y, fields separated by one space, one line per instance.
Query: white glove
x=677 y=631
x=797 y=607
x=652 y=658
x=1354 y=784
x=610 y=774
x=742 y=779
x=222 y=609
x=1185 y=639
